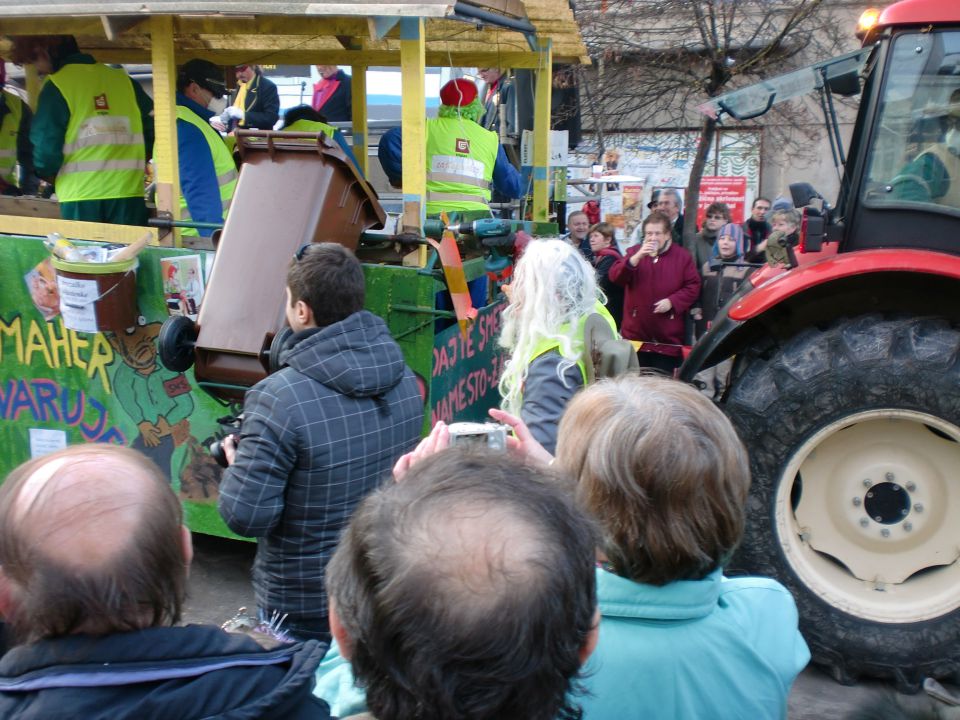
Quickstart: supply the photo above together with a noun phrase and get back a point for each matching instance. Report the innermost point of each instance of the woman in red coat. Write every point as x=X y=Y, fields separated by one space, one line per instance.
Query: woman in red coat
x=660 y=284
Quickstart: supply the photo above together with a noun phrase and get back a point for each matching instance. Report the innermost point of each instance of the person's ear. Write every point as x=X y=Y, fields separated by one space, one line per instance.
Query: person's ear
x=7 y=595
x=303 y=313
x=593 y=637
x=186 y=546
x=339 y=632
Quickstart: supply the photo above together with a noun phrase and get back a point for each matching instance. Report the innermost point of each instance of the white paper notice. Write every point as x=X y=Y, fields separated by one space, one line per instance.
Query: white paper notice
x=78 y=303
x=43 y=442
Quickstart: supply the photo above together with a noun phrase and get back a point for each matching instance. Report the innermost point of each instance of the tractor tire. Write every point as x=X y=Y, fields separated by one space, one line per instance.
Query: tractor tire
x=853 y=432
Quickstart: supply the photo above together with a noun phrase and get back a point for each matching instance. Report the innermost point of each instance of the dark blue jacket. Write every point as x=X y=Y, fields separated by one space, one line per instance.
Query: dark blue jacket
x=317 y=437
x=198 y=178
x=506 y=179
x=175 y=673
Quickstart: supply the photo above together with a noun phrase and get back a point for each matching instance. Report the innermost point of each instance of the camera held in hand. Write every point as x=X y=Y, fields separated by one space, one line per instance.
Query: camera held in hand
x=231 y=426
x=489 y=436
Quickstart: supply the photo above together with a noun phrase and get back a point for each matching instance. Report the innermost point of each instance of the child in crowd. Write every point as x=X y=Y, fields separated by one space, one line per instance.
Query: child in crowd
x=722 y=275
x=603 y=244
x=785 y=236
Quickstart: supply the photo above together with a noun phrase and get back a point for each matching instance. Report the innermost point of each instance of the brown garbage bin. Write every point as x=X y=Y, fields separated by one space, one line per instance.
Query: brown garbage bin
x=294 y=189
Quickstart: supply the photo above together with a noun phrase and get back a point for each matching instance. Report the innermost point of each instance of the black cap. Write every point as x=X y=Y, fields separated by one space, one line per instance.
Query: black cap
x=205 y=74
x=653 y=200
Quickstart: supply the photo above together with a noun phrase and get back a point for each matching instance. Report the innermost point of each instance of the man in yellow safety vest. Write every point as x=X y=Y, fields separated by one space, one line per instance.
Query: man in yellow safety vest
x=463 y=159
x=92 y=132
x=208 y=174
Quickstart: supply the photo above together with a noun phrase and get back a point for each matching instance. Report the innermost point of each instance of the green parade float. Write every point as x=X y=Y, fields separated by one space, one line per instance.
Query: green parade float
x=94 y=373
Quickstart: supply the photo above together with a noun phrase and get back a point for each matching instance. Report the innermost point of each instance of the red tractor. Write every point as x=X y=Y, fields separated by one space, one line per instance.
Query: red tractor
x=846 y=383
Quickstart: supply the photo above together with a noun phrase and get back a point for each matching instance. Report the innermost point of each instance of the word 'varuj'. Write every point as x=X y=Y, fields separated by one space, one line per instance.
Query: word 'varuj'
x=41 y=400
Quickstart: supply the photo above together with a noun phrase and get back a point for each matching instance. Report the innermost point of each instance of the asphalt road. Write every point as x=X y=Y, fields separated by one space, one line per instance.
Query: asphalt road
x=220 y=585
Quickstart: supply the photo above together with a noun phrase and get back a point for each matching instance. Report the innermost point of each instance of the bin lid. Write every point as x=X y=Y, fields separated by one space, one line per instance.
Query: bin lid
x=94 y=268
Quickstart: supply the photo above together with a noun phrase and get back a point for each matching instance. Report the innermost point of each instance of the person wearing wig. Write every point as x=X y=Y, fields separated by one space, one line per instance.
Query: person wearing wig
x=554 y=289
x=463 y=159
x=722 y=275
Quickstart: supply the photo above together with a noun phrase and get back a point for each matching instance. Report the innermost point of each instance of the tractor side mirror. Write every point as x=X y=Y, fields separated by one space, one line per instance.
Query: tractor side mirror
x=803 y=194
x=845 y=84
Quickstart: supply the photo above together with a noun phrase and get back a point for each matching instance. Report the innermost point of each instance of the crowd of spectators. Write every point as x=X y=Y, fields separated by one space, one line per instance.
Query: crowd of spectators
x=577 y=574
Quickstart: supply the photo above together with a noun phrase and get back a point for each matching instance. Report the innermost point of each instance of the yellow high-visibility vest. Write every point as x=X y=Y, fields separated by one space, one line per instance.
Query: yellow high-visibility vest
x=223 y=165
x=103 y=152
x=460 y=160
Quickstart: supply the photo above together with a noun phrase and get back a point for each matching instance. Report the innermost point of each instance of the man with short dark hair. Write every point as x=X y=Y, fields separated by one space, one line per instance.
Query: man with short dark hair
x=467 y=589
x=94 y=562
x=757 y=230
x=317 y=436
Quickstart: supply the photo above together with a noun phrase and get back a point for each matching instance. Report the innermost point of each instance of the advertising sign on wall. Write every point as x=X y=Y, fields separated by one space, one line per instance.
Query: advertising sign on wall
x=732 y=191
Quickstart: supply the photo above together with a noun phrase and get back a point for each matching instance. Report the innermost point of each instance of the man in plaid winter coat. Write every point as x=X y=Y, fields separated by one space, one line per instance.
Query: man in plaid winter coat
x=317 y=436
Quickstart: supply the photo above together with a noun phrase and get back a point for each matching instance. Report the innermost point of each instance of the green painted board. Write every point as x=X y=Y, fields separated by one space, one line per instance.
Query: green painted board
x=58 y=386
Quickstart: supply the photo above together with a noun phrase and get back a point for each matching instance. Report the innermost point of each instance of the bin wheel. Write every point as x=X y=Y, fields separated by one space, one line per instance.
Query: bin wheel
x=176 y=342
x=278 y=349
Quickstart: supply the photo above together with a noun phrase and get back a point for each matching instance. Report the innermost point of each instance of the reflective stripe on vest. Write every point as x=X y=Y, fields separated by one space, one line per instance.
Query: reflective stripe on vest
x=460 y=160
x=223 y=165
x=8 y=138
x=103 y=153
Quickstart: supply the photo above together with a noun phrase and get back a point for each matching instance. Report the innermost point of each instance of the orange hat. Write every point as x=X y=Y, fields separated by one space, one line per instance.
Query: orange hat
x=458 y=93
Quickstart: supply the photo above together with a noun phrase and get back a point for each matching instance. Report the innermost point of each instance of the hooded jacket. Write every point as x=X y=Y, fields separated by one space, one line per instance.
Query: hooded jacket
x=316 y=437
x=175 y=673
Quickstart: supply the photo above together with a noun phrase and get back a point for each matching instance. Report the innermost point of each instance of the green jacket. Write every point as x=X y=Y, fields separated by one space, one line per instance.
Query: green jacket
x=50 y=121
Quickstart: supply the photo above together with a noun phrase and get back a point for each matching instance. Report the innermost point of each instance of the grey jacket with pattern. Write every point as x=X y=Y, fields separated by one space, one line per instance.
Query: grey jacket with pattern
x=317 y=436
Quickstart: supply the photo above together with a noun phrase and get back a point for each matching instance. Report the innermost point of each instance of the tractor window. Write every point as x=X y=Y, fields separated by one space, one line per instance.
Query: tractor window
x=915 y=158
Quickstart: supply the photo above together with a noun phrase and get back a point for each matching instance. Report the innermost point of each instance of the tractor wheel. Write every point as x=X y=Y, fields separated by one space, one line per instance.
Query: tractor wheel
x=854 y=440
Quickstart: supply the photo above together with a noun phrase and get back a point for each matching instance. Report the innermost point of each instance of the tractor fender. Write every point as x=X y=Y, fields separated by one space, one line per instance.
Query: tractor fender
x=775 y=301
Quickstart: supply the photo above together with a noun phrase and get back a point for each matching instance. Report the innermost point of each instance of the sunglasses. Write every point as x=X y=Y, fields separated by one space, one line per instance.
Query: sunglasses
x=241 y=68
x=302 y=252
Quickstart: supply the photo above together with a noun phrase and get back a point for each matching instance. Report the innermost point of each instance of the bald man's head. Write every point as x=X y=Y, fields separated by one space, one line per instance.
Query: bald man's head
x=91 y=540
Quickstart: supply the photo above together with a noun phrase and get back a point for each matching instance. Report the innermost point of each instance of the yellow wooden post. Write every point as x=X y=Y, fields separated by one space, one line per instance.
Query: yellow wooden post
x=541 y=133
x=166 y=168
x=31 y=82
x=359 y=90
x=414 y=124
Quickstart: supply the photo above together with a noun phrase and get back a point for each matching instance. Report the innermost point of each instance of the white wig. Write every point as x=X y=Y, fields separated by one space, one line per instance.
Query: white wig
x=553 y=288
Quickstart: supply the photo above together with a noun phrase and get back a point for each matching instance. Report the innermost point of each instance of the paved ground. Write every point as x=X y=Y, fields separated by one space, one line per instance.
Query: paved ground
x=220 y=585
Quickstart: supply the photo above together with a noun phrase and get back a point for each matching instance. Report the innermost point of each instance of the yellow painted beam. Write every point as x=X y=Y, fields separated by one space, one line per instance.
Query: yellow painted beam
x=76 y=230
x=541 y=134
x=358 y=89
x=165 y=161
x=413 y=114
